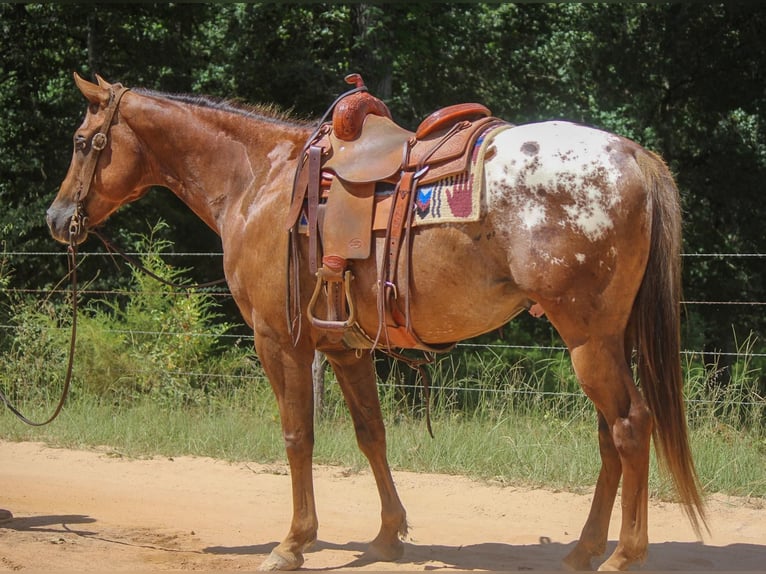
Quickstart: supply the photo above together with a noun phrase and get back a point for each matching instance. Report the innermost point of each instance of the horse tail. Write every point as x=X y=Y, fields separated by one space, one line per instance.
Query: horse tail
x=656 y=333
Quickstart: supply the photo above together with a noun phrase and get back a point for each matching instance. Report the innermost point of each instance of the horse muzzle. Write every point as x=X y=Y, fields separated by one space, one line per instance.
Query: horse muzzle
x=67 y=225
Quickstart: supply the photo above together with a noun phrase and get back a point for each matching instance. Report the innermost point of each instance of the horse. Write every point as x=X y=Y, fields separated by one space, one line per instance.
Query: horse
x=582 y=224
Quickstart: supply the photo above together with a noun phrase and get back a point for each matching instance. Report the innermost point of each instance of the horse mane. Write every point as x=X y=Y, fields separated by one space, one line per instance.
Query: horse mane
x=268 y=112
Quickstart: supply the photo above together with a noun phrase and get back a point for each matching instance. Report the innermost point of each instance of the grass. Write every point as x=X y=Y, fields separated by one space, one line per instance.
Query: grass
x=522 y=448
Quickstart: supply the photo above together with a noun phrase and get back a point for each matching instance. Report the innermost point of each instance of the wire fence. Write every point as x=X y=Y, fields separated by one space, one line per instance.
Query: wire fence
x=221 y=293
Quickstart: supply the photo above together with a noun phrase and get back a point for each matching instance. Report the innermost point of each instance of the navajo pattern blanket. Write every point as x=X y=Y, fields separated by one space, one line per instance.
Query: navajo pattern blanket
x=458 y=198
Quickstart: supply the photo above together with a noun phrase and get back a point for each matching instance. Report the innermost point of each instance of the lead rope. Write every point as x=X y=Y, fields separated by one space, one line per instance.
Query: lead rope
x=74 y=229
x=112 y=248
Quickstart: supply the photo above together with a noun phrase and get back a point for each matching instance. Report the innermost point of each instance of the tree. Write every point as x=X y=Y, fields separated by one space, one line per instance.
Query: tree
x=685 y=80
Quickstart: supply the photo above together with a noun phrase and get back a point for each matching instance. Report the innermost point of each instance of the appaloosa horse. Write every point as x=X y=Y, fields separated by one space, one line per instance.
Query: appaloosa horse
x=582 y=223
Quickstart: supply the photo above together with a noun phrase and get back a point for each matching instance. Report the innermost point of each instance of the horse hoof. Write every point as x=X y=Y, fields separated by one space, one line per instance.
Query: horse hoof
x=281 y=561
x=379 y=551
x=577 y=560
x=616 y=564
x=621 y=560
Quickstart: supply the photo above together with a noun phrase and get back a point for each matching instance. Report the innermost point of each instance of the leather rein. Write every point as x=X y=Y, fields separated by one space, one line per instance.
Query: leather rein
x=74 y=229
x=77 y=224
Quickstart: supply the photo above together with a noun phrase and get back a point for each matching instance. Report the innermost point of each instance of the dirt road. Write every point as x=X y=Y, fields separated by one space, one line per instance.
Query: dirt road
x=97 y=511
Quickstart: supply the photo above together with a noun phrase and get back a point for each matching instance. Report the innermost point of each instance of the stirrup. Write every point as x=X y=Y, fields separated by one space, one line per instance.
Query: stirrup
x=332 y=324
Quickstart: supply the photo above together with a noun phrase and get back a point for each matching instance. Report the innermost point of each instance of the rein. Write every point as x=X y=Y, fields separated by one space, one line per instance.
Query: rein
x=77 y=224
x=112 y=248
x=74 y=231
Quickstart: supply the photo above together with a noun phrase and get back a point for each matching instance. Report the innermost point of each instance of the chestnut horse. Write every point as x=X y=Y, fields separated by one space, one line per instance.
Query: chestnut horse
x=581 y=223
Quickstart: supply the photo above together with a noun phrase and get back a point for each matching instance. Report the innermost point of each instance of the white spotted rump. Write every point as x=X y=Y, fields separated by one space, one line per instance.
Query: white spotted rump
x=573 y=161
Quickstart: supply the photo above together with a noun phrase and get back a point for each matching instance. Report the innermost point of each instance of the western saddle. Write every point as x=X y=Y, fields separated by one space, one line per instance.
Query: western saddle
x=335 y=202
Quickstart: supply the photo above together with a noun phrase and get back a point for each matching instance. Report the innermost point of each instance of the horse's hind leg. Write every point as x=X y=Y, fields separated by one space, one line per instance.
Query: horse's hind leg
x=289 y=372
x=606 y=378
x=596 y=530
x=356 y=376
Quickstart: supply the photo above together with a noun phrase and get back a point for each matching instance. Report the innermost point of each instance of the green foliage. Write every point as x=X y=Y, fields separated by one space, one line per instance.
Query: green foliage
x=162 y=342
x=509 y=439
x=684 y=79
x=35 y=346
x=735 y=402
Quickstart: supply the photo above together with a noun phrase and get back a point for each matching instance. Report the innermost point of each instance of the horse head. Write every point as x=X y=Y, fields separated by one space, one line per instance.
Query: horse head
x=99 y=179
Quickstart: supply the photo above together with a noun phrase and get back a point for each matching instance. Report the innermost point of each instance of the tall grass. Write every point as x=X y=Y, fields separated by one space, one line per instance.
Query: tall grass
x=153 y=376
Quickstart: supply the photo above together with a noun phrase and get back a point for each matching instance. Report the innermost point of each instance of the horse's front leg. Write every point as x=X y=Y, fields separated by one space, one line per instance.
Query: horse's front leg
x=289 y=371
x=356 y=376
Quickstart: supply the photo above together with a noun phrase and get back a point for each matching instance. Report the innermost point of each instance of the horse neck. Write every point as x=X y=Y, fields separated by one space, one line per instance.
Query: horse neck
x=215 y=160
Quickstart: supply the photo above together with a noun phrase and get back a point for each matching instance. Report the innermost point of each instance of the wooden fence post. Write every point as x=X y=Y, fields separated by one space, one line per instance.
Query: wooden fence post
x=318 y=368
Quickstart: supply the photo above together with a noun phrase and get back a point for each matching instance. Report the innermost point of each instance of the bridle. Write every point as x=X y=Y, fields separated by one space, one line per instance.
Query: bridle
x=98 y=142
x=77 y=223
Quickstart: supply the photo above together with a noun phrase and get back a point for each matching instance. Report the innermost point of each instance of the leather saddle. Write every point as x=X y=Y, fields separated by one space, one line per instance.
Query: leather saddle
x=334 y=195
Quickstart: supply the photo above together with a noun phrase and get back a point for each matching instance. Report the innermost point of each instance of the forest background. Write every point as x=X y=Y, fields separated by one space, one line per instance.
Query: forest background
x=687 y=80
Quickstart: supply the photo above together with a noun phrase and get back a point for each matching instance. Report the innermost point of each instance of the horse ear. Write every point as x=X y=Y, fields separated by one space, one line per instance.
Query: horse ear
x=102 y=82
x=93 y=93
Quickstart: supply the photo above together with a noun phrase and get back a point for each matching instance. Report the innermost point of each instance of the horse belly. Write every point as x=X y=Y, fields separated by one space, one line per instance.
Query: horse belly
x=459 y=285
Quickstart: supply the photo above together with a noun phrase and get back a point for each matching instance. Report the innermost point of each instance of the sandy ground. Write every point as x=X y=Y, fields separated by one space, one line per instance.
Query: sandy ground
x=98 y=511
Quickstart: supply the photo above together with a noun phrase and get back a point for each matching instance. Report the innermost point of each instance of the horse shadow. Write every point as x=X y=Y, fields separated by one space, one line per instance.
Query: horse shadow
x=54 y=523
x=544 y=556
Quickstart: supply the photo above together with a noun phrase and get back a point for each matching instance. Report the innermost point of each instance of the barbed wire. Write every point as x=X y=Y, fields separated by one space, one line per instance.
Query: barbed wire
x=109 y=254
x=220 y=254
x=258 y=377
x=496 y=346
x=213 y=291
x=723 y=255
x=434 y=387
x=224 y=292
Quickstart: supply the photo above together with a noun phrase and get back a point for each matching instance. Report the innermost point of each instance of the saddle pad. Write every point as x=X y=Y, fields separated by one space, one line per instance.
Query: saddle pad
x=454 y=199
